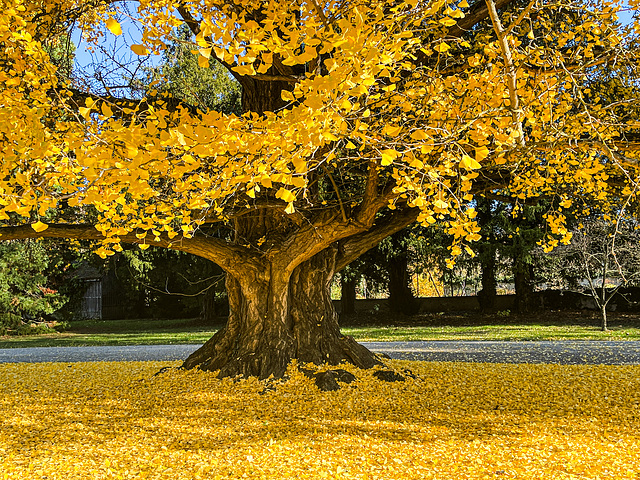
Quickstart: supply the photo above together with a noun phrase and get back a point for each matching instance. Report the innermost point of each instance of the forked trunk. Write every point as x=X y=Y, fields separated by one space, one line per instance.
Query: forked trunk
x=274 y=317
x=273 y=320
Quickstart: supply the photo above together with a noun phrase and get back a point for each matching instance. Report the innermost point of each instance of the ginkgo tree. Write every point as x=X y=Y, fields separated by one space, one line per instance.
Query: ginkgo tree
x=359 y=118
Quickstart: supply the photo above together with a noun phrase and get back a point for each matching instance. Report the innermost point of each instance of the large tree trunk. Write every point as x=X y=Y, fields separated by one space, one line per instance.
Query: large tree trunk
x=274 y=317
x=273 y=320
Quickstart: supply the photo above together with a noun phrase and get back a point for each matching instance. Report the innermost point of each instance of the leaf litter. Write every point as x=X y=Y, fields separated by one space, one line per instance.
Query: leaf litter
x=116 y=420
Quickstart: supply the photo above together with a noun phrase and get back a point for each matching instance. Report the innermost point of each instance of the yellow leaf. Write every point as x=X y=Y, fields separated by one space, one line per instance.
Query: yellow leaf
x=203 y=62
x=346 y=105
x=113 y=26
x=290 y=209
x=419 y=135
x=139 y=49
x=39 y=226
x=244 y=69
x=447 y=22
x=469 y=163
x=329 y=136
x=106 y=109
x=392 y=130
x=481 y=153
x=388 y=156
x=286 y=195
x=287 y=96
x=298 y=182
x=144 y=246
x=440 y=204
x=441 y=47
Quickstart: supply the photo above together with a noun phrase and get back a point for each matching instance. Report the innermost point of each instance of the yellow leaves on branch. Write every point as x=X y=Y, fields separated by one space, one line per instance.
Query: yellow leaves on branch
x=372 y=89
x=454 y=420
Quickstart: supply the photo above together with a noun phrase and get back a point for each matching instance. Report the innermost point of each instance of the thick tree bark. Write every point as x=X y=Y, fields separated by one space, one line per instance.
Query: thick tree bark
x=273 y=320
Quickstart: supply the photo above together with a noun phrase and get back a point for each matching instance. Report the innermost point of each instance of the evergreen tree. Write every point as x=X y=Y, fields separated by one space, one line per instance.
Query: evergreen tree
x=25 y=297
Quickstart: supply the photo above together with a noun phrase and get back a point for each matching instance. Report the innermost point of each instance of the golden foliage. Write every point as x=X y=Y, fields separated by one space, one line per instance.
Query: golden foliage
x=373 y=88
x=454 y=421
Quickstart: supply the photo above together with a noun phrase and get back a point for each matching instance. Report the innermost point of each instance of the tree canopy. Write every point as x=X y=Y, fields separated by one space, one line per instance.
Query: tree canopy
x=358 y=118
x=407 y=100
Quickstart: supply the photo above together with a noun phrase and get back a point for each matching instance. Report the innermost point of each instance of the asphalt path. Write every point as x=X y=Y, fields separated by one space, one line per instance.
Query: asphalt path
x=561 y=352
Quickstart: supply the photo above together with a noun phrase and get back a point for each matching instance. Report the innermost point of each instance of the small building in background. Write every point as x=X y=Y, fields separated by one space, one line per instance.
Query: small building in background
x=91 y=303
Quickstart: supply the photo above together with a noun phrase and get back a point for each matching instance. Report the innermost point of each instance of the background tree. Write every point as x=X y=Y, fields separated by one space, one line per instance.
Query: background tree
x=523 y=227
x=180 y=75
x=357 y=120
x=26 y=297
x=602 y=258
x=386 y=267
x=487 y=249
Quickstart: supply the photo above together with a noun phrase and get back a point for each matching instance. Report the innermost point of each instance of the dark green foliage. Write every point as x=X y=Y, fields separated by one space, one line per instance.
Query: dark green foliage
x=163 y=283
x=26 y=299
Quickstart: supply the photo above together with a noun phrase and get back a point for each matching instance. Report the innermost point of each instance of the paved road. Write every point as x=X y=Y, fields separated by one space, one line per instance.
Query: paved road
x=565 y=352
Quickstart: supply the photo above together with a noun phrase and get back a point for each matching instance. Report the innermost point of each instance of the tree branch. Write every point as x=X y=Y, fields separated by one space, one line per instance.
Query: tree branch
x=514 y=104
x=351 y=248
x=194 y=26
x=478 y=12
x=78 y=99
x=227 y=256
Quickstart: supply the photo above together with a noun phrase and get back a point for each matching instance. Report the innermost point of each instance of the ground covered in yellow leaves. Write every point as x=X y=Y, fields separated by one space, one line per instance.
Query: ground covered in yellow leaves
x=453 y=421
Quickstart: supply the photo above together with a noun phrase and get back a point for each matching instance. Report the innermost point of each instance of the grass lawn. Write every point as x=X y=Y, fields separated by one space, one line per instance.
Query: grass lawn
x=545 y=326
x=119 y=332
x=104 y=420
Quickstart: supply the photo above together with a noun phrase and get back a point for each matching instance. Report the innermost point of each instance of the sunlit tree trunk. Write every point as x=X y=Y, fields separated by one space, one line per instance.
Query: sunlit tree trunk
x=274 y=319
